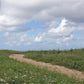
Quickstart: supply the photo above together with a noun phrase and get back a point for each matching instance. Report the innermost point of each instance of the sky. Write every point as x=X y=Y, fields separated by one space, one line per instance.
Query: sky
x=41 y=24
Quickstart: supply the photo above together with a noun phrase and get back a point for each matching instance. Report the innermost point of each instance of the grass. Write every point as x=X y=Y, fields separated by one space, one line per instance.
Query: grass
x=73 y=59
x=15 y=72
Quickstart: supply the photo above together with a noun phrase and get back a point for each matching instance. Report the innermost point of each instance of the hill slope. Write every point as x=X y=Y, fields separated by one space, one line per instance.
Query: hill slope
x=12 y=71
x=73 y=59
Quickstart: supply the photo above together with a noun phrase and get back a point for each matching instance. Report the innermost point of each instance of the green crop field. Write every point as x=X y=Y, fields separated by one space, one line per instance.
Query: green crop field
x=73 y=59
x=15 y=72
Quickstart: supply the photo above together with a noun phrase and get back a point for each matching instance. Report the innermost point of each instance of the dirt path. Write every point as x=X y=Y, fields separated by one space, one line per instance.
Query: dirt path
x=61 y=69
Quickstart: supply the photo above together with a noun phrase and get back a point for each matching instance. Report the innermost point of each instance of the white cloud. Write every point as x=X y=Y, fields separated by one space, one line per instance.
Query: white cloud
x=63 y=33
x=18 y=39
x=38 y=39
x=65 y=28
x=6 y=34
x=51 y=24
x=27 y=43
x=68 y=38
x=16 y=13
x=62 y=30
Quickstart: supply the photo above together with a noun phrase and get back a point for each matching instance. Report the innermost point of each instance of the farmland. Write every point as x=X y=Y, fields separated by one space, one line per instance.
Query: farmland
x=15 y=72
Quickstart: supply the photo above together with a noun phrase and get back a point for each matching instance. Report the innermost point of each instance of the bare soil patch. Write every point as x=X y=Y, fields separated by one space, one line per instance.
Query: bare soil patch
x=61 y=69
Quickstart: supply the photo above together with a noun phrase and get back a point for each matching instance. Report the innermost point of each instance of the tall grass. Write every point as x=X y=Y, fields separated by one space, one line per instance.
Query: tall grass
x=14 y=72
x=73 y=59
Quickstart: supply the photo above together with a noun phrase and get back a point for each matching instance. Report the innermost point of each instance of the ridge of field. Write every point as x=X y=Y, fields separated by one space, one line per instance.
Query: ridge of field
x=12 y=71
x=73 y=59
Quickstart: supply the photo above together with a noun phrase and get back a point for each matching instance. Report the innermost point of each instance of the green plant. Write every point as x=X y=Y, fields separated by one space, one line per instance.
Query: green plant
x=73 y=59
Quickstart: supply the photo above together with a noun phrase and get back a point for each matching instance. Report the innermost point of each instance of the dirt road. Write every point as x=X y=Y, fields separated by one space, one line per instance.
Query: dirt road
x=69 y=72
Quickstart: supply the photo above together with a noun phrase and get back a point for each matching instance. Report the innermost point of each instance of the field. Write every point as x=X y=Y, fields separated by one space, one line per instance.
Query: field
x=73 y=59
x=15 y=72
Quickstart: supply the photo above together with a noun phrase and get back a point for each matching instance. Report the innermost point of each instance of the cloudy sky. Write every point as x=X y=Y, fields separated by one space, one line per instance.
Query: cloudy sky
x=41 y=24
